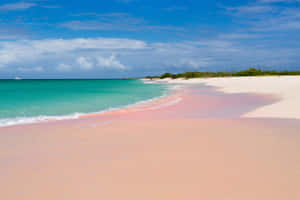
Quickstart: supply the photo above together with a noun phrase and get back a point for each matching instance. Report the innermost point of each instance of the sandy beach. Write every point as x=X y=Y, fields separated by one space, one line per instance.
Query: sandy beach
x=283 y=87
x=223 y=138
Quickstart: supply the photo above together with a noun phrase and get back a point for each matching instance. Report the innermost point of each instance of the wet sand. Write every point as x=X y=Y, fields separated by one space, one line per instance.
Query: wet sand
x=191 y=145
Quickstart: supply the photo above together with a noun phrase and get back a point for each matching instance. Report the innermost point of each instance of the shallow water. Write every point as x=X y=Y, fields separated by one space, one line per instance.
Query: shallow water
x=24 y=101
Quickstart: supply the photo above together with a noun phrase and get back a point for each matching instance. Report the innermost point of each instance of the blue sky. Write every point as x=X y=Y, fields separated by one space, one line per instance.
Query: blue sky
x=132 y=38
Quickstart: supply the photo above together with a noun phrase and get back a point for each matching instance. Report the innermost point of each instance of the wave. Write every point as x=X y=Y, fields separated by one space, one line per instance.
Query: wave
x=37 y=119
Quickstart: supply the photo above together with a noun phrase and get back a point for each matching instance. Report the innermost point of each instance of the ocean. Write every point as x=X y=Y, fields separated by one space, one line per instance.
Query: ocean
x=28 y=101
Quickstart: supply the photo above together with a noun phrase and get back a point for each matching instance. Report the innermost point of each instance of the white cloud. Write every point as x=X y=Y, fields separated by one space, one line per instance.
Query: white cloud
x=61 y=45
x=6 y=58
x=63 y=67
x=84 y=63
x=33 y=50
x=110 y=63
x=30 y=69
x=131 y=57
x=17 y=6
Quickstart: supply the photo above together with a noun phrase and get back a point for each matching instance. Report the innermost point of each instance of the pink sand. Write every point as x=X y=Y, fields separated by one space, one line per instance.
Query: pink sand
x=192 y=145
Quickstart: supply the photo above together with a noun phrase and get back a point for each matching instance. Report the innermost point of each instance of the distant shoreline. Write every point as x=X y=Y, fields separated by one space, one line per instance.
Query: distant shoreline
x=247 y=73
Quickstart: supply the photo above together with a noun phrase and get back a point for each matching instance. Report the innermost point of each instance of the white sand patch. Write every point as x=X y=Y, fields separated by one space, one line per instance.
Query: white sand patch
x=285 y=87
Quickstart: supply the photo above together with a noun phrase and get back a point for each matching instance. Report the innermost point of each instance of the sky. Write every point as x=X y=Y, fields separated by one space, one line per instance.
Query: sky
x=136 y=38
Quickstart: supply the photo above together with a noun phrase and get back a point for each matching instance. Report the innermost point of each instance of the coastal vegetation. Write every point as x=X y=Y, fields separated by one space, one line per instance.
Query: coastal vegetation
x=248 y=72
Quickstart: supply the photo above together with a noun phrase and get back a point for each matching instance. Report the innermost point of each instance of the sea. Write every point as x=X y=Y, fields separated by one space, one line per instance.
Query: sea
x=31 y=101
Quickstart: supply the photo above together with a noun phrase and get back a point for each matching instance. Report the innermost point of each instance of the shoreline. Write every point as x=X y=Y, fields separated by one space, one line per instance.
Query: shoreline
x=46 y=119
x=228 y=85
x=181 y=94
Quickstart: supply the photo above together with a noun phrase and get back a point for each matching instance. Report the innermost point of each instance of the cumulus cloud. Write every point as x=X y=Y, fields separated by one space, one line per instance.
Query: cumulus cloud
x=6 y=58
x=84 y=63
x=100 y=57
x=33 y=50
x=110 y=63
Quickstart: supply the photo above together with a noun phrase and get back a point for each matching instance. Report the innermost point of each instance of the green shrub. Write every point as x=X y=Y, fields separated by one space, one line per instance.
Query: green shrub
x=248 y=72
x=166 y=75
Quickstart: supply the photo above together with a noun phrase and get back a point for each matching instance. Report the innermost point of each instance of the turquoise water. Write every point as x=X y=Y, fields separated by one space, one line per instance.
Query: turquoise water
x=25 y=101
